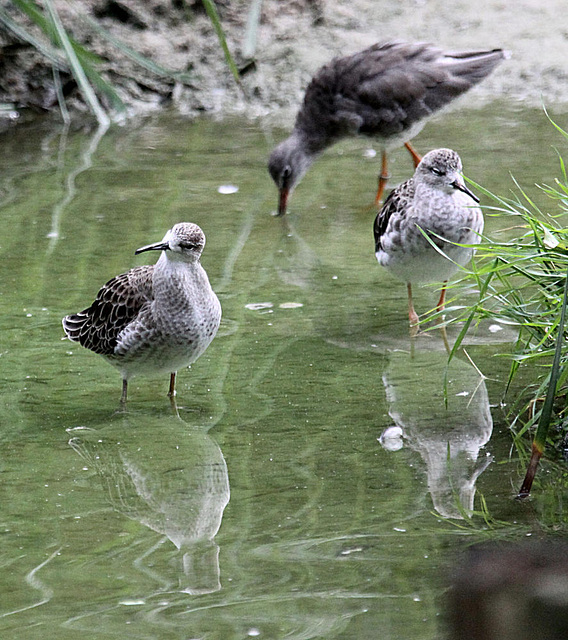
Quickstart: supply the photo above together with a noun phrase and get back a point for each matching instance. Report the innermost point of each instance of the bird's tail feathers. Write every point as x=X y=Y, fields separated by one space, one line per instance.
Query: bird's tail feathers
x=73 y=325
x=475 y=65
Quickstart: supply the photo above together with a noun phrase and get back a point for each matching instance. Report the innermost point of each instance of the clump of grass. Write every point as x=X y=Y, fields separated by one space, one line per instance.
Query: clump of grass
x=522 y=282
x=64 y=52
x=541 y=435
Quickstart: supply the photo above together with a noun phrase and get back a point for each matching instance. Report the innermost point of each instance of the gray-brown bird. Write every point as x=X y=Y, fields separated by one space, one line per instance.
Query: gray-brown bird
x=156 y=318
x=429 y=225
x=386 y=92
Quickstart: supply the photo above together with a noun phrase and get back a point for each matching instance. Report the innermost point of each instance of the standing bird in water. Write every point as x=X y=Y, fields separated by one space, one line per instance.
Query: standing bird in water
x=387 y=92
x=434 y=207
x=153 y=319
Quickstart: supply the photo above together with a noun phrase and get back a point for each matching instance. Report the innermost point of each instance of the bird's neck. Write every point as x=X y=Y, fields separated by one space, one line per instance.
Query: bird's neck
x=310 y=144
x=178 y=279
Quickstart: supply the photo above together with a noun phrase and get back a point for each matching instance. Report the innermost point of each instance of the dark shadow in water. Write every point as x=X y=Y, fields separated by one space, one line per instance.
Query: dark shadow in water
x=529 y=581
x=177 y=486
x=448 y=436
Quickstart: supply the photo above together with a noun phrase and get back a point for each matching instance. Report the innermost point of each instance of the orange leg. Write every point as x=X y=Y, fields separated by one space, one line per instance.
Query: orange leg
x=415 y=157
x=412 y=315
x=442 y=301
x=383 y=178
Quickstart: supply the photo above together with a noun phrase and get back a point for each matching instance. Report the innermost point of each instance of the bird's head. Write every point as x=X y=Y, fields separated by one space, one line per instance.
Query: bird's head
x=442 y=169
x=287 y=165
x=185 y=241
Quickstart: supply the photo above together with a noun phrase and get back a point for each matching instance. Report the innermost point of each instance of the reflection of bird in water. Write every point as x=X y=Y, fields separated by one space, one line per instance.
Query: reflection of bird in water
x=386 y=92
x=447 y=438
x=295 y=260
x=153 y=319
x=178 y=488
x=427 y=225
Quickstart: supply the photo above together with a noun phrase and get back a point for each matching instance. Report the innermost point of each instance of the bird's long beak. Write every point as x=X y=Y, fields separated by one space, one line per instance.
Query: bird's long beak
x=283 y=201
x=157 y=246
x=457 y=184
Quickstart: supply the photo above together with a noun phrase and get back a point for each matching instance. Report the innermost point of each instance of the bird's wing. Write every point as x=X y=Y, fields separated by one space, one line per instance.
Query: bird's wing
x=368 y=92
x=389 y=87
x=117 y=303
x=396 y=204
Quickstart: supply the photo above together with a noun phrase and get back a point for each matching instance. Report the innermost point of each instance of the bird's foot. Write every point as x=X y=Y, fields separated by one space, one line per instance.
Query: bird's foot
x=174 y=406
x=122 y=408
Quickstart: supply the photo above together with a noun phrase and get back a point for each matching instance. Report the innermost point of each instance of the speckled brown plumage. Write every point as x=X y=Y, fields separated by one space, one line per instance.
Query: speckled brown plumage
x=434 y=207
x=396 y=205
x=153 y=319
x=118 y=302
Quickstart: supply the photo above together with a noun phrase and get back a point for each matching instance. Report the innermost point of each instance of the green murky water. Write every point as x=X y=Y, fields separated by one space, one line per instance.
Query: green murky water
x=282 y=503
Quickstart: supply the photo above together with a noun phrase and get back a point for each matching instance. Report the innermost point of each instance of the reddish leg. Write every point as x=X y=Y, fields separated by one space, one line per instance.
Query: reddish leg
x=415 y=157
x=383 y=178
x=442 y=301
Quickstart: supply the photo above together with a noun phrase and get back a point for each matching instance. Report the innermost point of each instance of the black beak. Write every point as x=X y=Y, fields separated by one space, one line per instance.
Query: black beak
x=157 y=246
x=461 y=186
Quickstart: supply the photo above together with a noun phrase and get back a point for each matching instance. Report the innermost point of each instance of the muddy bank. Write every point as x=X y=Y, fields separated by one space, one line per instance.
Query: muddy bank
x=294 y=38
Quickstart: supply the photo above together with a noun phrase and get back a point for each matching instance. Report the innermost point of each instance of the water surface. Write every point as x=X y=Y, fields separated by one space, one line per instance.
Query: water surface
x=314 y=484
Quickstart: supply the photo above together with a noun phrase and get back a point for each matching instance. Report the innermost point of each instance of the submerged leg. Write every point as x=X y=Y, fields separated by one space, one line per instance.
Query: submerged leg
x=172 y=394
x=383 y=178
x=445 y=339
x=415 y=156
x=172 y=391
x=124 y=393
x=412 y=315
x=442 y=301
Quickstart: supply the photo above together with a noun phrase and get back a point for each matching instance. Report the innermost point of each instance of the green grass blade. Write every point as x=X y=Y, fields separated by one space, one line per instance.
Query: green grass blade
x=80 y=57
x=544 y=423
x=557 y=127
x=458 y=342
x=60 y=97
x=76 y=68
x=141 y=60
x=33 y=12
x=49 y=52
x=103 y=87
x=539 y=441
x=467 y=324
x=211 y=10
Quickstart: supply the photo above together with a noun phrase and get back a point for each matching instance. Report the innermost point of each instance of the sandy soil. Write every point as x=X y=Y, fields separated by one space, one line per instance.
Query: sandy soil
x=294 y=39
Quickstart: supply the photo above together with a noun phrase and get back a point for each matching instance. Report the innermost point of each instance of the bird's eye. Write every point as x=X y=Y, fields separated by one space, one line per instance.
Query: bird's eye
x=287 y=172
x=436 y=171
x=186 y=245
